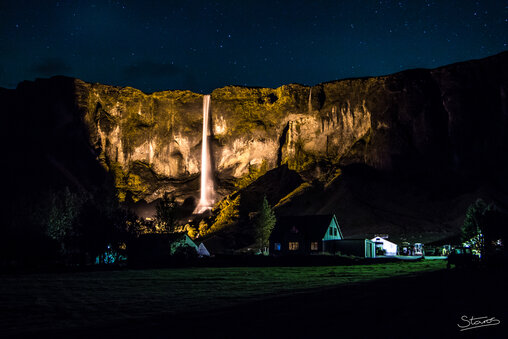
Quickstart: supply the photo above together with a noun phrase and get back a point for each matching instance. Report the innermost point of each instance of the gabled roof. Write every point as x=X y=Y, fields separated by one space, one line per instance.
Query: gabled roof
x=313 y=227
x=166 y=238
x=203 y=251
x=179 y=236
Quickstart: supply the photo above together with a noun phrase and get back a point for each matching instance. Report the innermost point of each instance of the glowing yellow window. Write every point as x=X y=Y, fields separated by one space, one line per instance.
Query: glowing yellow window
x=293 y=245
x=314 y=246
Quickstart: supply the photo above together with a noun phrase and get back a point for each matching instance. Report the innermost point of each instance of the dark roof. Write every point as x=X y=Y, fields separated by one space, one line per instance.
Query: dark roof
x=358 y=239
x=313 y=227
x=169 y=237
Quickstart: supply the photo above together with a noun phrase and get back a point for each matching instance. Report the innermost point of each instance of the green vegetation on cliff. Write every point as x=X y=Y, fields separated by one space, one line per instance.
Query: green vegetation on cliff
x=297 y=191
x=300 y=160
x=251 y=109
x=255 y=172
x=128 y=182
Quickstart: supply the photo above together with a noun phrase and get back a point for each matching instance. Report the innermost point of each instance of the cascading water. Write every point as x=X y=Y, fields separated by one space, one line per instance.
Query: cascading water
x=309 y=104
x=206 y=199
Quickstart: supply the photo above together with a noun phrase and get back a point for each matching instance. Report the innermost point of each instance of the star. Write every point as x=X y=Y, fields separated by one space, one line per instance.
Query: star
x=336 y=34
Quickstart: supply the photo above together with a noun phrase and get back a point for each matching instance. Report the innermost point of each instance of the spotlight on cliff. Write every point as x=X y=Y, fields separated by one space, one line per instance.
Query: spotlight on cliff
x=206 y=199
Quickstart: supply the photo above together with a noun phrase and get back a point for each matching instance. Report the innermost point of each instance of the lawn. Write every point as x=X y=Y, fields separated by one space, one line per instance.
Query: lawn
x=34 y=302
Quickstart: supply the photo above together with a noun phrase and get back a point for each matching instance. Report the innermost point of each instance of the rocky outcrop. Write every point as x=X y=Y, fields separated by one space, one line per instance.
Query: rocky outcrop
x=417 y=122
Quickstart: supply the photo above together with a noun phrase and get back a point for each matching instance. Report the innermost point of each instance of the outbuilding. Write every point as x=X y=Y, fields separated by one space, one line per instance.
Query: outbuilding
x=363 y=248
x=388 y=247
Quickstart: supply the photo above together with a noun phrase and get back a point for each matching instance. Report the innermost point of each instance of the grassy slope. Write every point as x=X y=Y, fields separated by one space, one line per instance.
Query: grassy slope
x=368 y=204
x=36 y=302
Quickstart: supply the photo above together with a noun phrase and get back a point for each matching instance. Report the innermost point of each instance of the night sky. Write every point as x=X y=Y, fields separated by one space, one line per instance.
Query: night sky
x=202 y=45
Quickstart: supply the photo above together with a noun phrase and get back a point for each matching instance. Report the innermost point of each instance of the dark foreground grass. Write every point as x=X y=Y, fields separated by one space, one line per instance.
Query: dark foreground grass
x=38 y=302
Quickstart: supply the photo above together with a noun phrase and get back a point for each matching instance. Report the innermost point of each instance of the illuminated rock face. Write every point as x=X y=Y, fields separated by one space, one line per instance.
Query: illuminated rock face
x=419 y=121
x=161 y=132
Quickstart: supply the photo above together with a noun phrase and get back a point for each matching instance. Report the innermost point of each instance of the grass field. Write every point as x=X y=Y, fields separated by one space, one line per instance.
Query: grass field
x=37 y=302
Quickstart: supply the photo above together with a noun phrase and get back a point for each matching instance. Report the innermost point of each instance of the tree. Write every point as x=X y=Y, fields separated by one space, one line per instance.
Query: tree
x=191 y=231
x=496 y=226
x=166 y=211
x=264 y=224
x=480 y=221
x=228 y=213
x=63 y=218
x=472 y=223
x=203 y=228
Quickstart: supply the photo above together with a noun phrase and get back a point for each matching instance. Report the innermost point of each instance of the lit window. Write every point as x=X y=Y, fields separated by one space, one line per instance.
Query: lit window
x=314 y=246
x=293 y=245
x=276 y=246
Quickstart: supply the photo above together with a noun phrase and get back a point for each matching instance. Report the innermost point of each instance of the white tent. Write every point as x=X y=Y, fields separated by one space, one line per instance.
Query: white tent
x=202 y=251
x=389 y=247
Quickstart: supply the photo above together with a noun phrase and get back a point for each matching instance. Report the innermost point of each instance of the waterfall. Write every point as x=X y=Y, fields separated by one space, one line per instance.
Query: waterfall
x=206 y=199
x=310 y=100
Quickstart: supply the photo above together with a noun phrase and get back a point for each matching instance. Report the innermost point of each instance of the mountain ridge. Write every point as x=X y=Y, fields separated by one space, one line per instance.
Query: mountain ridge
x=426 y=125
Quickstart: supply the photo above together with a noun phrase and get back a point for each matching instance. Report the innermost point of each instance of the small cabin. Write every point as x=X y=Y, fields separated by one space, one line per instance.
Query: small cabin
x=307 y=234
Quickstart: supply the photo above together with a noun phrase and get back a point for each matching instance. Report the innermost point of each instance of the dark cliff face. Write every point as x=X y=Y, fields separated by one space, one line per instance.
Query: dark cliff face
x=474 y=97
x=46 y=140
x=420 y=124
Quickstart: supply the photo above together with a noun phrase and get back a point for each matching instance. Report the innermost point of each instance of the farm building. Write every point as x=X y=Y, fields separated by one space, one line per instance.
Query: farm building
x=363 y=248
x=304 y=234
x=387 y=246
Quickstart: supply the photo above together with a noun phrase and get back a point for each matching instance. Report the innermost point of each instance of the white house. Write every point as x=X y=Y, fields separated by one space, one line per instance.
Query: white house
x=389 y=247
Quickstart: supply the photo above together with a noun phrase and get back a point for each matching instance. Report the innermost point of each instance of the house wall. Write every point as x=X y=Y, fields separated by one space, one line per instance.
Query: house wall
x=303 y=245
x=363 y=248
x=336 y=234
x=332 y=233
x=389 y=247
x=370 y=249
x=303 y=248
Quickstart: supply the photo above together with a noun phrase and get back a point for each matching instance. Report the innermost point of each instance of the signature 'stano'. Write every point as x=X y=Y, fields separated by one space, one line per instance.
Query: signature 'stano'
x=468 y=323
